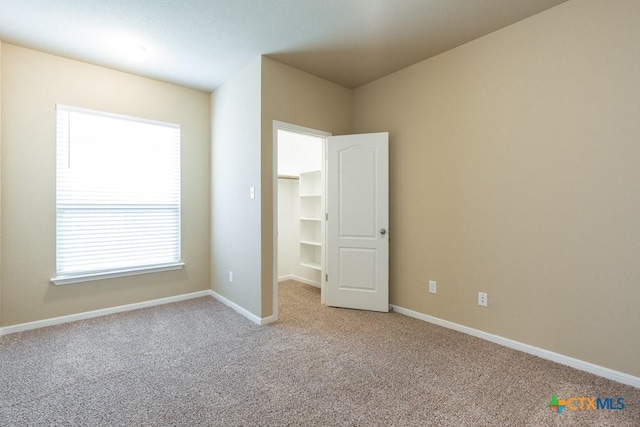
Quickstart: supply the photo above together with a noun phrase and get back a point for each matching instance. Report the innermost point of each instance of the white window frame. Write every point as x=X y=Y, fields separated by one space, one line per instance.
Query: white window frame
x=66 y=277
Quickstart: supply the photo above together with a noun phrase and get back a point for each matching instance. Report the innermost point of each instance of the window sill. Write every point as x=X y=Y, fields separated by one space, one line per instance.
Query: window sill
x=78 y=278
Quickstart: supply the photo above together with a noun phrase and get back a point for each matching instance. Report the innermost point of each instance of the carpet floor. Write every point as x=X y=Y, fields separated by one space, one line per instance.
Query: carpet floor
x=198 y=363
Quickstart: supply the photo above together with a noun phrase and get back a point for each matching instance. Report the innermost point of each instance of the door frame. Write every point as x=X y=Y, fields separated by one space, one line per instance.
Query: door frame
x=279 y=125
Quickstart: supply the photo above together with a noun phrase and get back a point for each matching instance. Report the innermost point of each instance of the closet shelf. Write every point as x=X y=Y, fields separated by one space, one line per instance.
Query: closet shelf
x=311 y=223
x=311 y=265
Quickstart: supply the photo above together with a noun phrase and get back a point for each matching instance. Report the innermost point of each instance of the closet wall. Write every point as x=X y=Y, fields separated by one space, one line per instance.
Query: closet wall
x=297 y=153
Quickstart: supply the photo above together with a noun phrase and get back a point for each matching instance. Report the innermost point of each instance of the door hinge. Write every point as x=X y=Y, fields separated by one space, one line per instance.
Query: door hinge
x=326 y=277
x=326 y=217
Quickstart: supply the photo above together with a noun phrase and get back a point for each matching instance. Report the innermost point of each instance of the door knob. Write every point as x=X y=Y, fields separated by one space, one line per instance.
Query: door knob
x=383 y=231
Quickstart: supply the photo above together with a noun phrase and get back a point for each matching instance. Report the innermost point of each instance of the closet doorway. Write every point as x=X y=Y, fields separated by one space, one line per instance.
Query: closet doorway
x=301 y=205
x=346 y=179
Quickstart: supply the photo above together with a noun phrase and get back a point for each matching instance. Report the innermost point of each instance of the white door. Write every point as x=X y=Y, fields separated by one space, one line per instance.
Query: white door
x=358 y=221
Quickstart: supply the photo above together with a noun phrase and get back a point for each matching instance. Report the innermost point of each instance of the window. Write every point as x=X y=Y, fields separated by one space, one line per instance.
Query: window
x=117 y=195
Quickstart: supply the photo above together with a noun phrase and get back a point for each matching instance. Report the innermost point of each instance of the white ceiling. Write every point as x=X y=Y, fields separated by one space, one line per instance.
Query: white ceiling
x=201 y=43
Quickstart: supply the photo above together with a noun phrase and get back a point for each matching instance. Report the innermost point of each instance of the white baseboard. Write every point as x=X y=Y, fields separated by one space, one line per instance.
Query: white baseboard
x=268 y=320
x=246 y=313
x=581 y=365
x=21 y=327
x=298 y=279
x=97 y=313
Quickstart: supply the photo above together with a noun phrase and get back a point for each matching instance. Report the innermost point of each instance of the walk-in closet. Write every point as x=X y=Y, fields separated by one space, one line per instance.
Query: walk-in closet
x=300 y=207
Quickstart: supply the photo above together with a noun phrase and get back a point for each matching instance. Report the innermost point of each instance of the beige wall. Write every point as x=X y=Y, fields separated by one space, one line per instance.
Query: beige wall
x=515 y=171
x=32 y=83
x=292 y=96
x=235 y=244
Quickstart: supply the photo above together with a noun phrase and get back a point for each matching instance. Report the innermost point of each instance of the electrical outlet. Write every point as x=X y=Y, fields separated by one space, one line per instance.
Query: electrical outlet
x=231 y=277
x=433 y=286
x=483 y=299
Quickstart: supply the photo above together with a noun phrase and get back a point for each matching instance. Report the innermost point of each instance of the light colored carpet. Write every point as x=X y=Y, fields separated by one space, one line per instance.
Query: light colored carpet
x=198 y=363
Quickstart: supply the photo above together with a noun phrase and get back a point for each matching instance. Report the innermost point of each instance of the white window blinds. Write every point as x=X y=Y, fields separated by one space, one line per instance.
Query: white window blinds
x=117 y=195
